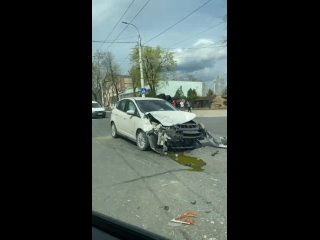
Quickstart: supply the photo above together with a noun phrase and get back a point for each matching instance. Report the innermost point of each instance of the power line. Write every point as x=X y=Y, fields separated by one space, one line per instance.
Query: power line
x=211 y=45
x=182 y=19
x=117 y=23
x=109 y=42
x=130 y=22
x=198 y=47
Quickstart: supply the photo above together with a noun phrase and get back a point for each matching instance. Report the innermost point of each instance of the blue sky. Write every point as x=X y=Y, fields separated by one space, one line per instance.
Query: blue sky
x=195 y=41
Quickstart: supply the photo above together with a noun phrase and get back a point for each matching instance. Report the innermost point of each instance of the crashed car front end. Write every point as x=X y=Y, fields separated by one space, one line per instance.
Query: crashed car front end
x=183 y=135
x=174 y=130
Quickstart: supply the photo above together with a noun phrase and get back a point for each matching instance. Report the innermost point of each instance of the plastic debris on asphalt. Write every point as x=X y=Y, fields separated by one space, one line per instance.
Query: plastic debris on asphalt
x=186 y=218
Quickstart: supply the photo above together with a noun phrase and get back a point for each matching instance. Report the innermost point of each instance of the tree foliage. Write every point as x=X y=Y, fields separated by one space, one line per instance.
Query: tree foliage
x=157 y=65
x=210 y=93
x=179 y=94
x=192 y=94
x=134 y=73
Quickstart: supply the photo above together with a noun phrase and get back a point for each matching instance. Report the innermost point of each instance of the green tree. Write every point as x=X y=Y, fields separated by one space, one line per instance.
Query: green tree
x=210 y=93
x=157 y=64
x=191 y=94
x=179 y=94
x=136 y=81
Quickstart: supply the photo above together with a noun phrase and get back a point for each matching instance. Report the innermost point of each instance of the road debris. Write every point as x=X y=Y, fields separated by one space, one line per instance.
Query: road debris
x=215 y=153
x=165 y=208
x=186 y=218
x=194 y=202
x=219 y=142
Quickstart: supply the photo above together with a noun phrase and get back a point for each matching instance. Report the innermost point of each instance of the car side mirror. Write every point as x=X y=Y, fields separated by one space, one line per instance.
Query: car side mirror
x=130 y=112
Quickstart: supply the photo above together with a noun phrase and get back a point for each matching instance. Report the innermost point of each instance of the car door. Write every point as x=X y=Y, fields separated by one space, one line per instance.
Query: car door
x=131 y=122
x=118 y=116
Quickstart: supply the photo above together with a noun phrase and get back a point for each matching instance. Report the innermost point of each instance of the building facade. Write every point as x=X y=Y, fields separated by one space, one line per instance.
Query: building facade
x=110 y=97
x=170 y=87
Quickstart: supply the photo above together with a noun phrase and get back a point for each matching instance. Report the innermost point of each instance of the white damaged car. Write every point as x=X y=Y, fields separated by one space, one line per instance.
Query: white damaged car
x=155 y=123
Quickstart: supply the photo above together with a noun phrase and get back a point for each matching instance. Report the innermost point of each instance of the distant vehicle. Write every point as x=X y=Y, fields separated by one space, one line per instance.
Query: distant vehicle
x=97 y=110
x=155 y=123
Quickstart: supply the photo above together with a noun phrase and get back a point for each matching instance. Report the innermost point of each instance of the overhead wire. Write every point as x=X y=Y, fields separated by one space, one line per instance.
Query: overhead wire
x=117 y=23
x=182 y=19
x=129 y=22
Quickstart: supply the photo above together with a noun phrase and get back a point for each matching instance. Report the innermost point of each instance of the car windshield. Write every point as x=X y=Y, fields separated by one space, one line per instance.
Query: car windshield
x=154 y=105
x=96 y=105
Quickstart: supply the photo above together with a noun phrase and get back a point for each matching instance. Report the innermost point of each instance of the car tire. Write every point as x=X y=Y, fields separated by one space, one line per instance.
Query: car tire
x=114 y=132
x=142 y=141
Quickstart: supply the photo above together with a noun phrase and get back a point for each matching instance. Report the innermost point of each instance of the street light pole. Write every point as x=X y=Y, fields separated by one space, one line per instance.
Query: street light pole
x=140 y=57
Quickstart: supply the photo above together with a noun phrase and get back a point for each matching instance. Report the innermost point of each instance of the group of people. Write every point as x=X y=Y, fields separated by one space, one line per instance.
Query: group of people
x=181 y=105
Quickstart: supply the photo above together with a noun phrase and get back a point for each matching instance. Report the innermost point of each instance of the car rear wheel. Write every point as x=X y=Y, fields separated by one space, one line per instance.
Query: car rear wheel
x=142 y=141
x=114 y=133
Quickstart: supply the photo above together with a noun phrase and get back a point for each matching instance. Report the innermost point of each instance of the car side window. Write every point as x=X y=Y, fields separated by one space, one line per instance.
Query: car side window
x=121 y=105
x=131 y=106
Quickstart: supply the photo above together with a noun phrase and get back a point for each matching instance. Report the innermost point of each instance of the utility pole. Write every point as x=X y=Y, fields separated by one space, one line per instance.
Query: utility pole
x=140 y=57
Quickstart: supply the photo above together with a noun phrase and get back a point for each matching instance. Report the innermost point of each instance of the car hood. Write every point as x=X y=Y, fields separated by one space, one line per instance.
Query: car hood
x=170 y=118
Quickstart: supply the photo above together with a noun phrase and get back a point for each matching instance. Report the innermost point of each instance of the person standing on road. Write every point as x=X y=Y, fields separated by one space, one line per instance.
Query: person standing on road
x=182 y=105
x=174 y=103
x=188 y=106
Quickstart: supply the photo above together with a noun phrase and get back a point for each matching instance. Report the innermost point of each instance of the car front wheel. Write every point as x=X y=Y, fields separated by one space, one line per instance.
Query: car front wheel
x=142 y=141
x=114 y=133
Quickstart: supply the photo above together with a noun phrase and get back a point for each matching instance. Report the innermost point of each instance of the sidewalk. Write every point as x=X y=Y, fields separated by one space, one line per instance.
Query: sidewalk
x=211 y=113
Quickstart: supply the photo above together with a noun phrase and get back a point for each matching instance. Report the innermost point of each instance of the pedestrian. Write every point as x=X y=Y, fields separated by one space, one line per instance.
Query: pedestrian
x=189 y=106
x=174 y=103
x=182 y=105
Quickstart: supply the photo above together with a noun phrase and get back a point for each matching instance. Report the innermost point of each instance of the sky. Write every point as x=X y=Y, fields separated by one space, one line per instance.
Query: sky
x=195 y=40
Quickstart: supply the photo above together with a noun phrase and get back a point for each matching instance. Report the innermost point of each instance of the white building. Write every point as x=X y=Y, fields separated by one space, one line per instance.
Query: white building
x=219 y=85
x=170 y=87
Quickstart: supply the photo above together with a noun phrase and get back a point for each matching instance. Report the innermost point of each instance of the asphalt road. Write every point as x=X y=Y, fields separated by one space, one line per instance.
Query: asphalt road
x=148 y=190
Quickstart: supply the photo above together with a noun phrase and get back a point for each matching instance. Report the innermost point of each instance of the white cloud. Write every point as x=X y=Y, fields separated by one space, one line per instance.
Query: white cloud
x=202 y=56
x=203 y=42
